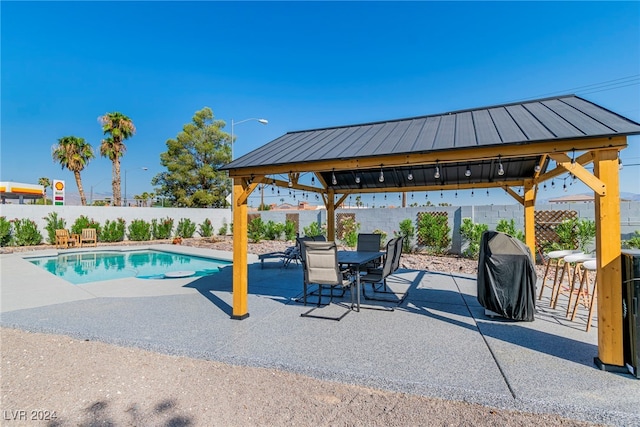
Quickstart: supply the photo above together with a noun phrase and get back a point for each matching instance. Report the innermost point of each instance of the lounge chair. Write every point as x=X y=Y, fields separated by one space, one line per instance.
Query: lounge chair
x=63 y=239
x=89 y=235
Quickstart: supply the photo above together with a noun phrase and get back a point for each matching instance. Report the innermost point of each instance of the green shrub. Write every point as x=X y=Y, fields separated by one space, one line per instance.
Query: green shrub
x=574 y=234
x=408 y=231
x=139 y=230
x=84 y=222
x=509 y=227
x=205 y=229
x=5 y=231
x=162 y=229
x=383 y=237
x=289 y=230
x=185 y=228
x=53 y=223
x=350 y=230
x=255 y=230
x=223 y=229
x=113 y=231
x=273 y=230
x=633 y=242
x=472 y=233
x=26 y=233
x=434 y=232
x=313 y=229
x=586 y=232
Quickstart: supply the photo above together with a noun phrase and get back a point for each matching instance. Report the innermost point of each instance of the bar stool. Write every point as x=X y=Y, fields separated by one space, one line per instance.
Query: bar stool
x=554 y=258
x=587 y=266
x=571 y=267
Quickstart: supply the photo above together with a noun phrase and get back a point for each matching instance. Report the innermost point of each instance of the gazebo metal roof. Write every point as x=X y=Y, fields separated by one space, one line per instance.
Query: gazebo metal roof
x=563 y=118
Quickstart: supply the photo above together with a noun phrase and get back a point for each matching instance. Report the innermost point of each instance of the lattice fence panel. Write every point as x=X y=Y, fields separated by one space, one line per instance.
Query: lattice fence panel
x=545 y=225
x=295 y=218
x=340 y=218
x=420 y=240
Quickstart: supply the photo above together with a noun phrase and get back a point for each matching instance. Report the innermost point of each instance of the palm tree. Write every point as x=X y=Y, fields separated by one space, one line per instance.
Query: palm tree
x=118 y=128
x=74 y=154
x=46 y=183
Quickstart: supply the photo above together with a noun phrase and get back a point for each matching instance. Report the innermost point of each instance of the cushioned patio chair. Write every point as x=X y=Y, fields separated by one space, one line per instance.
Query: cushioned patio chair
x=321 y=269
x=89 y=235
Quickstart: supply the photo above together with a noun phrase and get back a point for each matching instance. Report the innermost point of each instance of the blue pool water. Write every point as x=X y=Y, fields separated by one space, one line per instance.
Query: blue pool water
x=86 y=267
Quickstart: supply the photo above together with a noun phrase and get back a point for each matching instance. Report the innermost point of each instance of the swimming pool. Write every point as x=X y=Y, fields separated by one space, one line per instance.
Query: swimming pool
x=86 y=267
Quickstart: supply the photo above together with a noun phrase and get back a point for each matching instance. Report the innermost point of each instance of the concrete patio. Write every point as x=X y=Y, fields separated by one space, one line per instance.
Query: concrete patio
x=437 y=343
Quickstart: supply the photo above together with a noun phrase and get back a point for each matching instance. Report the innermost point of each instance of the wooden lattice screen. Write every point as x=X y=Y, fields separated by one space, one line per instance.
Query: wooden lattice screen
x=545 y=226
x=420 y=240
x=340 y=218
x=295 y=218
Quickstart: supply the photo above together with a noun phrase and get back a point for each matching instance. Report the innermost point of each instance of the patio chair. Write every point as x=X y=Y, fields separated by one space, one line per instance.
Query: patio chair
x=369 y=242
x=89 y=235
x=376 y=276
x=321 y=269
x=63 y=239
x=285 y=256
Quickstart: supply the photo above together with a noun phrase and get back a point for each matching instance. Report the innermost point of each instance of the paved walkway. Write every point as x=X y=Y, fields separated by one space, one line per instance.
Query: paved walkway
x=437 y=343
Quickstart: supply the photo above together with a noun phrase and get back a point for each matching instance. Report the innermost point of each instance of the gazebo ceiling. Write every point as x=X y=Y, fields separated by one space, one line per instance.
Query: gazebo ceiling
x=519 y=136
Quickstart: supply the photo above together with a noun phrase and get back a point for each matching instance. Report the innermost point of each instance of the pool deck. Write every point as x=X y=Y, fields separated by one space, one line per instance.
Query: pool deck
x=438 y=342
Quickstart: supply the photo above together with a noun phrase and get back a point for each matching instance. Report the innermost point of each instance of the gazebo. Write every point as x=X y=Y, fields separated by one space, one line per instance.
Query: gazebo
x=507 y=146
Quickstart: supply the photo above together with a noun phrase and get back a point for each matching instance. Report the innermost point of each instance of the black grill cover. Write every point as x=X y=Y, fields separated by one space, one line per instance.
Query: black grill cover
x=506 y=276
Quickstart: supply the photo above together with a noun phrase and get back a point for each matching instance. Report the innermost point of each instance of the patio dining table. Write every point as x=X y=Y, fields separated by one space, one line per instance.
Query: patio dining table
x=355 y=260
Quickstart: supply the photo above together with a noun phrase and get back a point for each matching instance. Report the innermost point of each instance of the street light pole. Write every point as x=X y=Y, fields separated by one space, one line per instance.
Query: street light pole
x=261 y=121
x=125 y=182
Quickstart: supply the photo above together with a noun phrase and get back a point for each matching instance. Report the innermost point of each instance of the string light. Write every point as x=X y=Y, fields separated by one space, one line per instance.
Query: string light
x=381 y=177
x=467 y=173
x=500 y=168
x=358 y=178
x=537 y=168
x=437 y=174
x=410 y=176
x=334 y=181
x=573 y=156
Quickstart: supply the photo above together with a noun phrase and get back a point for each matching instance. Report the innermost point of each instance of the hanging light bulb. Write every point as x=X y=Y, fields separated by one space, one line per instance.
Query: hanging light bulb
x=487 y=193
x=290 y=184
x=313 y=180
x=553 y=184
x=467 y=173
x=441 y=194
x=334 y=181
x=437 y=174
x=426 y=195
x=399 y=197
x=410 y=176
x=456 y=194
x=411 y=196
x=385 y=197
x=357 y=178
x=381 y=177
x=471 y=193
x=544 y=186
x=500 y=168
x=537 y=168
x=564 y=187
x=573 y=156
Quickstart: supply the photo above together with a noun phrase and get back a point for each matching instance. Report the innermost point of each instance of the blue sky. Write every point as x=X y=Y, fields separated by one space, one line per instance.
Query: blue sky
x=301 y=65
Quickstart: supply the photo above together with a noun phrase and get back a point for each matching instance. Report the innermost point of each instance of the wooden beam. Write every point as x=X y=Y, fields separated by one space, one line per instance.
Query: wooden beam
x=331 y=215
x=563 y=161
x=240 y=248
x=608 y=251
x=248 y=189
x=450 y=156
x=515 y=195
x=529 y=216
x=583 y=159
x=341 y=200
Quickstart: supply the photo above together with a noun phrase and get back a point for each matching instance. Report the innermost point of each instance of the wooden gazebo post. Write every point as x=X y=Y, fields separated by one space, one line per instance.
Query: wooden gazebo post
x=240 y=248
x=608 y=249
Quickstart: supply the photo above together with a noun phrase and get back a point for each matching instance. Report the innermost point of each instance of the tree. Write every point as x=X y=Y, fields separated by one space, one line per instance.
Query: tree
x=118 y=128
x=193 y=160
x=46 y=183
x=74 y=154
